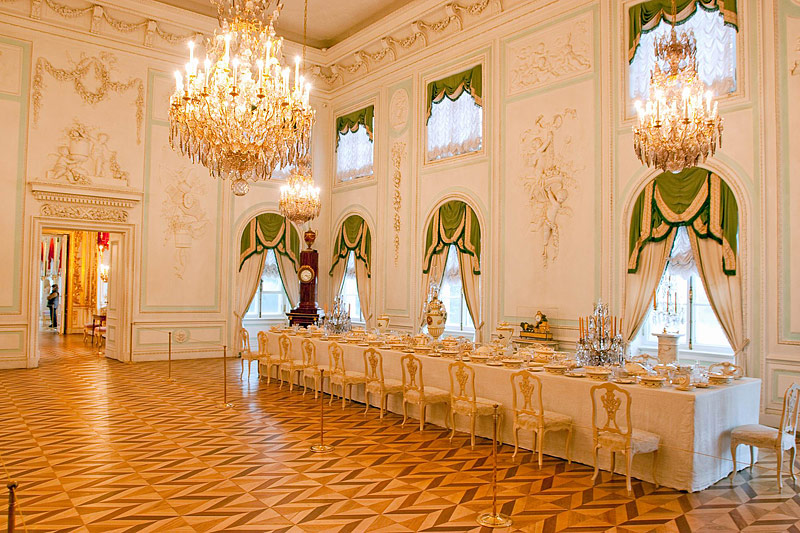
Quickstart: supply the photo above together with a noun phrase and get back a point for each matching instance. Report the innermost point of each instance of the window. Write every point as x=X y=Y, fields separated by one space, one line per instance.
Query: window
x=354 y=146
x=452 y=295
x=716 y=53
x=349 y=290
x=455 y=127
x=700 y=331
x=270 y=300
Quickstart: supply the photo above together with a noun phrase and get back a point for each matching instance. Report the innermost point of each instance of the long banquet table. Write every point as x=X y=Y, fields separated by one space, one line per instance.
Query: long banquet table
x=694 y=426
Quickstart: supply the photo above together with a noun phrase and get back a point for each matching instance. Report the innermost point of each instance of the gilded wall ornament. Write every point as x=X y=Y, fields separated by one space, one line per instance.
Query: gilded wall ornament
x=398 y=109
x=548 y=177
x=100 y=68
x=85 y=158
x=184 y=217
x=545 y=57
x=398 y=155
x=84 y=212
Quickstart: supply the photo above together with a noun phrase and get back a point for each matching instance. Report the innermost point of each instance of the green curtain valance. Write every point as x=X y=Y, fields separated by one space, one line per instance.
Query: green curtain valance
x=695 y=198
x=647 y=15
x=270 y=231
x=454 y=223
x=353 y=235
x=452 y=87
x=352 y=121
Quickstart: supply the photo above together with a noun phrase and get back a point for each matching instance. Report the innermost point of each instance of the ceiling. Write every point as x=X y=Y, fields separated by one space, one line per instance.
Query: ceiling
x=329 y=21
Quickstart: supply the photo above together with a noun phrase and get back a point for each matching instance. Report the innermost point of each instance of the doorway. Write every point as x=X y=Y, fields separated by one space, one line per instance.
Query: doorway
x=81 y=292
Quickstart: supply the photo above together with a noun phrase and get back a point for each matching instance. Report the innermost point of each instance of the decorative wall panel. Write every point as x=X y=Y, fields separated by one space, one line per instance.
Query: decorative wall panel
x=790 y=192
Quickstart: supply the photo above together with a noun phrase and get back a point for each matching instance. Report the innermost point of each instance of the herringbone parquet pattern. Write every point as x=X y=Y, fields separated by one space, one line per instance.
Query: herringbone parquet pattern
x=98 y=445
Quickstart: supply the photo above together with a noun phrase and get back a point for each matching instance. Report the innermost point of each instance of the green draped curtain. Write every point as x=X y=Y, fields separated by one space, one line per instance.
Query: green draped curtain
x=647 y=15
x=353 y=235
x=270 y=230
x=695 y=198
x=352 y=121
x=452 y=86
x=454 y=223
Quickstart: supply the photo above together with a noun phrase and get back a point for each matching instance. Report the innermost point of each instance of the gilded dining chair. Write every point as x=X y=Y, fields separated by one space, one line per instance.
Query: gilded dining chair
x=245 y=352
x=265 y=357
x=339 y=375
x=463 y=400
x=414 y=390
x=376 y=383
x=312 y=369
x=291 y=367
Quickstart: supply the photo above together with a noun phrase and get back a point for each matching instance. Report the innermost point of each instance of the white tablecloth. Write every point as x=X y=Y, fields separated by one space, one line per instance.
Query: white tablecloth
x=694 y=426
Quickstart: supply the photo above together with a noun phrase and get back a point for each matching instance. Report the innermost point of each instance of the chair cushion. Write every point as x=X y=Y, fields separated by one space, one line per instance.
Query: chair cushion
x=761 y=437
x=314 y=370
x=389 y=385
x=351 y=376
x=481 y=407
x=293 y=363
x=431 y=395
x=641 y=441
x=551 y=420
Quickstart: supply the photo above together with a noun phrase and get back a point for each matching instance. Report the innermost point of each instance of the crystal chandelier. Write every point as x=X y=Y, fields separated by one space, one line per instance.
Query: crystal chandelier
x=679 y=125
x=300 y=200
x=239 y=115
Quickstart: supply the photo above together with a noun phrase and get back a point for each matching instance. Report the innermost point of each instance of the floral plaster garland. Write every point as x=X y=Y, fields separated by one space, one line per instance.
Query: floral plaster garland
x=398 y=154
x=101 y=68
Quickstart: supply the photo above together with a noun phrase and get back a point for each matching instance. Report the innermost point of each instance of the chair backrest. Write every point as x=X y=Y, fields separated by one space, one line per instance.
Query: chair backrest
x=611 y=404
x=336 y=356
x=284 y=347
x=244 y=341
x=527 y=390
x=262 y=343
x=462 y=382
x=309 y=352
x=645 y=359
x=373 y=365
x=791 y=410
x=727 y=368
x=412 y=374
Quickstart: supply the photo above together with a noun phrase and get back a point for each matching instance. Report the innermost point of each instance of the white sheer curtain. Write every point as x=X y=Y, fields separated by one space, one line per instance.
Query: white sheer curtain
x=354 y=155
x=365 y=294
x=639 y=286
x=246 y=285
x=289 y=278
x=724 y=294
x=716 y=53
x=471 y=284
x=455 y=127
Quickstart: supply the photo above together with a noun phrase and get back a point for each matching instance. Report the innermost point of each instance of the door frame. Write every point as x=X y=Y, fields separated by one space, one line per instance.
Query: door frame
x=127 y=233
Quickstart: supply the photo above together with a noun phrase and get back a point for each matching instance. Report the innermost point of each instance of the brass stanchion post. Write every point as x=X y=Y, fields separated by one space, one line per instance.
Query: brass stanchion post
x=321 y=447
x=494 y=519
x=169 y=359
x=225 y=403
x=12 y=505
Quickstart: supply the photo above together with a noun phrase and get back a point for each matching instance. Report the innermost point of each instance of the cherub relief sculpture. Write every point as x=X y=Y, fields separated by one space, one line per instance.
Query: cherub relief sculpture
x=85 y=158
x=550 y=59
x=548 y=178
x=184 y=216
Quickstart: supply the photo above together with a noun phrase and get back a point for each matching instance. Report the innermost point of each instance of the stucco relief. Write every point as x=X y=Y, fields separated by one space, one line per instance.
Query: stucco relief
x=398 y=109
x=185 y=219
x=549 y=176
x=81 y=212
x=91 y=80
x=794 y=70
x=560 y=52
x=10 y=69
x=86 y=158
x=398 y=155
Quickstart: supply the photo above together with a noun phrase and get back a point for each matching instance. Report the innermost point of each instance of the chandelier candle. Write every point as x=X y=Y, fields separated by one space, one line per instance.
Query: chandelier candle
x=237 y=116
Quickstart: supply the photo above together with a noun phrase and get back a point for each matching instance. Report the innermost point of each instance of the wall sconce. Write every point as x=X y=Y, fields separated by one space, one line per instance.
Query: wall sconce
x=104 y=273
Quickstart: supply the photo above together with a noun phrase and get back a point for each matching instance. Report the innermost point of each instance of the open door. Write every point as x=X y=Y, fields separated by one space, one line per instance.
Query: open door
x=113 y=348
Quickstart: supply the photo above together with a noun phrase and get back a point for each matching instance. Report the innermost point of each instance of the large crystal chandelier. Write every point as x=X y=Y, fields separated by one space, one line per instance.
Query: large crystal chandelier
x=679 y=125
x=300 y=200
x=242 y=115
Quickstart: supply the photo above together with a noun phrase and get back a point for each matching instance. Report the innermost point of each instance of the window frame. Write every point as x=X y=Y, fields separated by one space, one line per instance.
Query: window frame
x=422 y=136
x=626 y=103
x=377 y=164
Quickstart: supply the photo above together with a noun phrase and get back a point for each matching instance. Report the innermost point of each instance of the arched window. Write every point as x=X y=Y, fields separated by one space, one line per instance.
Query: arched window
x=351 y=268
x=683 y=268
x=454 y=115
x=713 y=24
x=451 y=261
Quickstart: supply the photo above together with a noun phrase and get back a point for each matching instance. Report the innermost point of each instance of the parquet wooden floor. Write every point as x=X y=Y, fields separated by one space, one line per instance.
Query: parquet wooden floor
x=98 y=445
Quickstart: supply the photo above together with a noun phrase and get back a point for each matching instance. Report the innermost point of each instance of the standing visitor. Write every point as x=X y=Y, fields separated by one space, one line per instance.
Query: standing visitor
x=52 y=303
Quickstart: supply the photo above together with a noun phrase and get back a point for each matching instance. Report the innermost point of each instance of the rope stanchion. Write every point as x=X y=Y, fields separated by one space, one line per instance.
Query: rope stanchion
x=494 y=519
x=225 y=404
x=169 y=360
x=321 y=447
x=12 y=505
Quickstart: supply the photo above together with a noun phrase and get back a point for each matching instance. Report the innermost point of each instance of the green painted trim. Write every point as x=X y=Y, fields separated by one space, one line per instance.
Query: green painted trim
x=786 y=8
x=505 y=101
x=150 y=122
x=22 y=135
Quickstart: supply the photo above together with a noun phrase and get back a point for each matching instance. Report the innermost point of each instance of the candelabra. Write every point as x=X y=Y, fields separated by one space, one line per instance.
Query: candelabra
x=600 y=341
x=338 y=321
x=665 y=307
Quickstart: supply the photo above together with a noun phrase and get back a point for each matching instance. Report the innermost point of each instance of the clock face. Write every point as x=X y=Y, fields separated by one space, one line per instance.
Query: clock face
x=306 y=274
